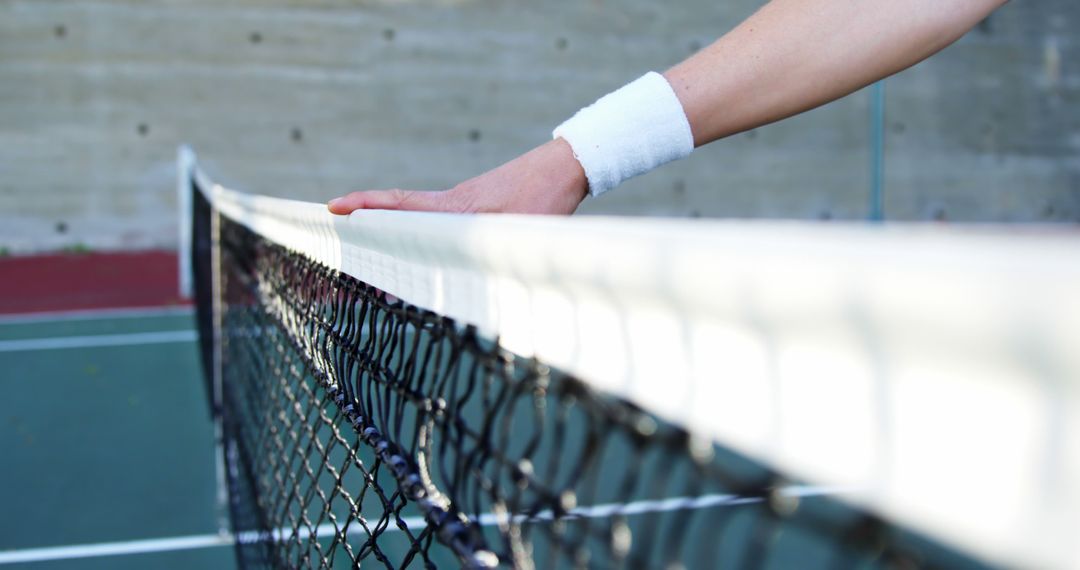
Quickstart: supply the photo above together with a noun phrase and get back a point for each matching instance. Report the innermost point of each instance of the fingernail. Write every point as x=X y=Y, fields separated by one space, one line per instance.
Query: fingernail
x=333 y=202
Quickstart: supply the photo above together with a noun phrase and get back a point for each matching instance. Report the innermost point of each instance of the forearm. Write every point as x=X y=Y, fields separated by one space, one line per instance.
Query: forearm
x=794 y=55
x=790 y=56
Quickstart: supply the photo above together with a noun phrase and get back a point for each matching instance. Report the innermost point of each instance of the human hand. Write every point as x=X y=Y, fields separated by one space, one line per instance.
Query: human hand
x=545 y=180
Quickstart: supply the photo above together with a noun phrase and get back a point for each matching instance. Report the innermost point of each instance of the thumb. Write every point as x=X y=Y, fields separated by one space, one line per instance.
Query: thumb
x=395 y=199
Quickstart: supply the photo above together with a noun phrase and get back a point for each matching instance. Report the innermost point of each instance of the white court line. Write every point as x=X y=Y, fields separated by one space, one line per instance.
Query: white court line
x=115 y=548
x=93 y=314
x=131 y=339
x=665 y=505
x=324 y=530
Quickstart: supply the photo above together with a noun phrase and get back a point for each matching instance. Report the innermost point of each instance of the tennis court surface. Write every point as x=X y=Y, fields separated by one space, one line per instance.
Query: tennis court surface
x=107 y=442
x=426 y=390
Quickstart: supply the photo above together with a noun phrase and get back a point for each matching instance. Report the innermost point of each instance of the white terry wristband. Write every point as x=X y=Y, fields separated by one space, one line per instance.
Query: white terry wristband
x=628 y=132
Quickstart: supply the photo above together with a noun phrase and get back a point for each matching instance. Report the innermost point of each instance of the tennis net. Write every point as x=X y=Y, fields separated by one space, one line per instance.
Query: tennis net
x=425 y=390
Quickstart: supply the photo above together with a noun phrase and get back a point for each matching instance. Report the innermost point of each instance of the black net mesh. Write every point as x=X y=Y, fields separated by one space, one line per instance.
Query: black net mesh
x=201 y=273
x=359 y=428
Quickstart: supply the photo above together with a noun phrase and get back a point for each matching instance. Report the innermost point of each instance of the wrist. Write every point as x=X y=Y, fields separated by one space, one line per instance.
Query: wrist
x=628 y=132
x=571 y=180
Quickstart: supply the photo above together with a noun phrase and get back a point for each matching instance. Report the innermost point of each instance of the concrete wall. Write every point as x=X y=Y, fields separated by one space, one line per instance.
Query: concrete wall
x=316 y=97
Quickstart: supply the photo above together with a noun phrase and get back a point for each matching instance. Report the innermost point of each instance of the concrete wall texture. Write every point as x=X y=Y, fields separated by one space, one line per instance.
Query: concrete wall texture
x=313 y=98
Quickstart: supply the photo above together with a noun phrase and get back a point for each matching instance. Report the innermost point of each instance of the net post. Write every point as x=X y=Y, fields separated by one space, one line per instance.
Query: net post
x=188 y=180
x=217 y=379
x=185 y=166
x=217 y=309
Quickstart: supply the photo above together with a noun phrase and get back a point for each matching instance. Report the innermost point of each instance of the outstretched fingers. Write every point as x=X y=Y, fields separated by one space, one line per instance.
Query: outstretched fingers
x=395 y=199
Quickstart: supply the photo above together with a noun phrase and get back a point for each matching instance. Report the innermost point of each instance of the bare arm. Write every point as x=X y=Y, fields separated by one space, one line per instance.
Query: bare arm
x=789 y=57
x=794 y=55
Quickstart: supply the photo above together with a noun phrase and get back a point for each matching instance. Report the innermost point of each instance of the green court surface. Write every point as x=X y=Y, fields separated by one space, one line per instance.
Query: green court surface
x=107 y=444
x=109 y=456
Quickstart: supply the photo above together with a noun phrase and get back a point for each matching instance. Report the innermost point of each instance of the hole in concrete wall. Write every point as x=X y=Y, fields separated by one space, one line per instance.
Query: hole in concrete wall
x=296 y=134
x=694 y=46
x=143 y=129
x=561 y=43
x=695 y=213
x=899 y=128
x=255 y=37
x=388 y=34
x=679 y=187
x=986 y=26
x=61 y=227
x=751 y=134
x=60 y=31
x=824 y=215
x=1049 y=211
x=940 y=215
x=474 y=135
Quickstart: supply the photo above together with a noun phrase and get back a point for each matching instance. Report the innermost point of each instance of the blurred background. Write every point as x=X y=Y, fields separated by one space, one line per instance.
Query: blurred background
x=310 y=99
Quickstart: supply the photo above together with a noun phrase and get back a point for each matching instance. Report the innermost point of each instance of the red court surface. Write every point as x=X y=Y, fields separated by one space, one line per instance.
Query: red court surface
x=70 y=282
